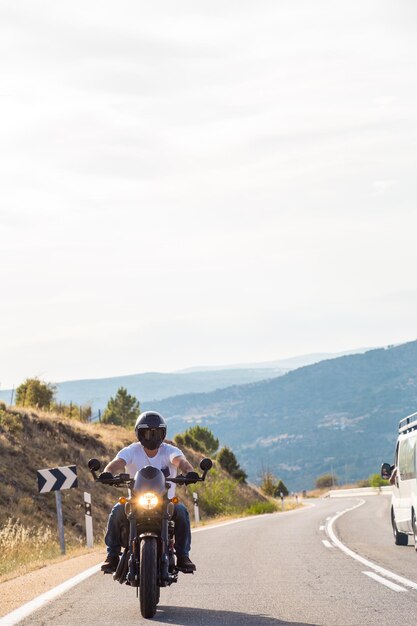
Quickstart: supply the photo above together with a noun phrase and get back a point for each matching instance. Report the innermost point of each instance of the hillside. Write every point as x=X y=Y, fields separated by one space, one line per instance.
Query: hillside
x=341 y=413
x=31 y=441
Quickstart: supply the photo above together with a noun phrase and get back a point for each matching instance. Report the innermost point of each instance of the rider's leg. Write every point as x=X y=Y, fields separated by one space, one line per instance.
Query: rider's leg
x=182 y=530
x=117 y=519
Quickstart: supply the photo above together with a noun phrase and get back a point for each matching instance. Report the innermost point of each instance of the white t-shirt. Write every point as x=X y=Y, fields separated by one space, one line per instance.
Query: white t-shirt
x=136 y=458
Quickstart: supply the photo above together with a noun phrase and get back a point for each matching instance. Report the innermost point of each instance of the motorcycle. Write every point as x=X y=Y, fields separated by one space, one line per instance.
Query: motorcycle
x=148 y=559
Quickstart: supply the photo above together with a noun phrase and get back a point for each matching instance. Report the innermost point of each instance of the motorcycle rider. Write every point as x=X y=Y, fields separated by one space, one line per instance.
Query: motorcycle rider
x=150 y=449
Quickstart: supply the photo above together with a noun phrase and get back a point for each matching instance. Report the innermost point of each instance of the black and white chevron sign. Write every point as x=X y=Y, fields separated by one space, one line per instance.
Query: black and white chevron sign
x=57 y=478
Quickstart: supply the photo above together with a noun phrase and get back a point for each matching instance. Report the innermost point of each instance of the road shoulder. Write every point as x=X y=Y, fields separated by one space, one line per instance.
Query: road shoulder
x=22 y=589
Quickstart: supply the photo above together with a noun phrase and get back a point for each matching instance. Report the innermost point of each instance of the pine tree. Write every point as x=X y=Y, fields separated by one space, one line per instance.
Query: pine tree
x=228 y=462
x=121 y=410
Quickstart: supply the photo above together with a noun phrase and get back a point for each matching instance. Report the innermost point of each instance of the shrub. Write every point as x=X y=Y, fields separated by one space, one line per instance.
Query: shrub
x=258 y=508
x=218 y=496
x=35 y=392
x=10 y=422
x=198 y=438
x=271 y=486
x=377 y=481
x=73 y=411
x=326 y=480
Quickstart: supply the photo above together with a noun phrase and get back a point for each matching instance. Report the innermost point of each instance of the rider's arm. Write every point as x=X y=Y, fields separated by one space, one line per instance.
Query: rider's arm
x=116 y=466
x=183 y=465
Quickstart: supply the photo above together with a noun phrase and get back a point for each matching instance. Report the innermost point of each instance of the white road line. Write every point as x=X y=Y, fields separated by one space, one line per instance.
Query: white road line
x=327 y=543
x=377 y=568
x=26 y=609
x=322 y=527
x=384 y=581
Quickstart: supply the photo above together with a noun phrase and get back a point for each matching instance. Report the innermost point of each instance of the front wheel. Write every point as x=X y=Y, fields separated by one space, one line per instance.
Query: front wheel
x=414 y=525
x=148 y=594
x=401 y=539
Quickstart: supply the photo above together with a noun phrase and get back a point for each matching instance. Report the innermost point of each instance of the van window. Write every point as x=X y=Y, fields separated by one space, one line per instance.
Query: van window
x=407 y=459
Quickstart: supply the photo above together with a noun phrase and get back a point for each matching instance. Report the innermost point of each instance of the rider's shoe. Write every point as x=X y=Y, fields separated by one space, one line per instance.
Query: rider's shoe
x=110 y=564
x=185 y=565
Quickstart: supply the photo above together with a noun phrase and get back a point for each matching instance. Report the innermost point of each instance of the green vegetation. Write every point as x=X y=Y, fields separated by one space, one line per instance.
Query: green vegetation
x=259 y=508
x=218 y=495
x=271 y=486
x=200 y=439
x=73 y=411
x=228 y=462
x=35 y=393
x=122 y=410
x=10 y=421
x=326 y=481
x=377 y=481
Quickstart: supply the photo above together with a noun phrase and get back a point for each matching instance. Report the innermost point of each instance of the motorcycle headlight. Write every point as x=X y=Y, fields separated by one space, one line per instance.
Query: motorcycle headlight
x=148 y=500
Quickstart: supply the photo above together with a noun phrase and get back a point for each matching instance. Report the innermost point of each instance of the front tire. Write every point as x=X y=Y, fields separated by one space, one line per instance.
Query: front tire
x=414 y=525
x=401 y=539
x=148 y=590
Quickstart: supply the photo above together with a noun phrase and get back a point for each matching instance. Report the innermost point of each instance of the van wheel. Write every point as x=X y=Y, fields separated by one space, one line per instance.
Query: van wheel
x=414 y=524
x=401 y=539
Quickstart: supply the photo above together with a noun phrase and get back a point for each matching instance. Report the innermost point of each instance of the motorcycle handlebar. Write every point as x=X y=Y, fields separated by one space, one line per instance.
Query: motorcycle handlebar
x=121 y=480
x=124 y=480
x=183 y=480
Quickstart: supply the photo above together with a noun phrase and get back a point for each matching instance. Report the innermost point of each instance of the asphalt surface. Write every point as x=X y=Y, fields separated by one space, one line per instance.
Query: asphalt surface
x=270 y=570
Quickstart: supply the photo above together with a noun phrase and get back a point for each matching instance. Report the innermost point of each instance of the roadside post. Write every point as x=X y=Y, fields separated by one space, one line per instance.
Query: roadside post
x=88 y=520
x=196 y=509
x=282 y=499
x=56 y=479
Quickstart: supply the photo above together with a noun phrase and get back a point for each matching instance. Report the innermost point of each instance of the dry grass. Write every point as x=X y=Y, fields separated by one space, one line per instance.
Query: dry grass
x=24 y=549
x=20 y=545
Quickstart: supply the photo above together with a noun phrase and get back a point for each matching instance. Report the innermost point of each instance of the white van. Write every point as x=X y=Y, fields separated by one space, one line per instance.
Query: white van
x=404 y=483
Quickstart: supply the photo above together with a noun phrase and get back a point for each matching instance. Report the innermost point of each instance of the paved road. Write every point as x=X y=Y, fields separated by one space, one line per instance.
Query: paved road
x=267 y=571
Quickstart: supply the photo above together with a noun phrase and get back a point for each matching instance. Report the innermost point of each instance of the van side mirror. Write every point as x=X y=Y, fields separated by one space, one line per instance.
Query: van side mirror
x=386 y=470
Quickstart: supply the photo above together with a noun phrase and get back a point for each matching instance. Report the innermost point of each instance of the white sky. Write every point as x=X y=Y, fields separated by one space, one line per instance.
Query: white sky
x=205 y=182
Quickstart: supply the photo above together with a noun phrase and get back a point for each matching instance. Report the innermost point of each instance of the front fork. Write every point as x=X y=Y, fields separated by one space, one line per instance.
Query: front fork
x=134 y=543
x=167 y=550
x=167 y=571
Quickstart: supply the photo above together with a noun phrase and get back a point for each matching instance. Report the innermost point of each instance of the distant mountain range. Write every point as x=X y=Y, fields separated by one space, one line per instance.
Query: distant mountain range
x=156 y=386
x=290 y=363
x=340 y=414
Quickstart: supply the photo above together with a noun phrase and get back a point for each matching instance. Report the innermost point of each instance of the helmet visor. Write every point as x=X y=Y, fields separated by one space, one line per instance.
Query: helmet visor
x=151 y=435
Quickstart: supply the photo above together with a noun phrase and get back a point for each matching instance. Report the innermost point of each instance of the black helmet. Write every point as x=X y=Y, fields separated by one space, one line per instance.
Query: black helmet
x=150 y=429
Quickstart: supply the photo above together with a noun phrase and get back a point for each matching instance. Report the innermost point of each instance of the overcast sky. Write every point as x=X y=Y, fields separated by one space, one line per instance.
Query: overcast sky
x=187 y=183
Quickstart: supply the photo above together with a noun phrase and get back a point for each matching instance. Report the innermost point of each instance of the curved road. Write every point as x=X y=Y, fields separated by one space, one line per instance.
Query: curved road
x=270 y=570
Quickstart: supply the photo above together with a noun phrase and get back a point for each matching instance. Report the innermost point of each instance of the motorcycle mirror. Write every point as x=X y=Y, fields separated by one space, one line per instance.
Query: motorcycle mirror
x=94 y=465
x=206 y=464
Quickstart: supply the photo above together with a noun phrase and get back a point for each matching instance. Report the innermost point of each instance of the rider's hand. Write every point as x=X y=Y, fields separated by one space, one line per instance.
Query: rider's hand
x=192 y=476
x=105 y=475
